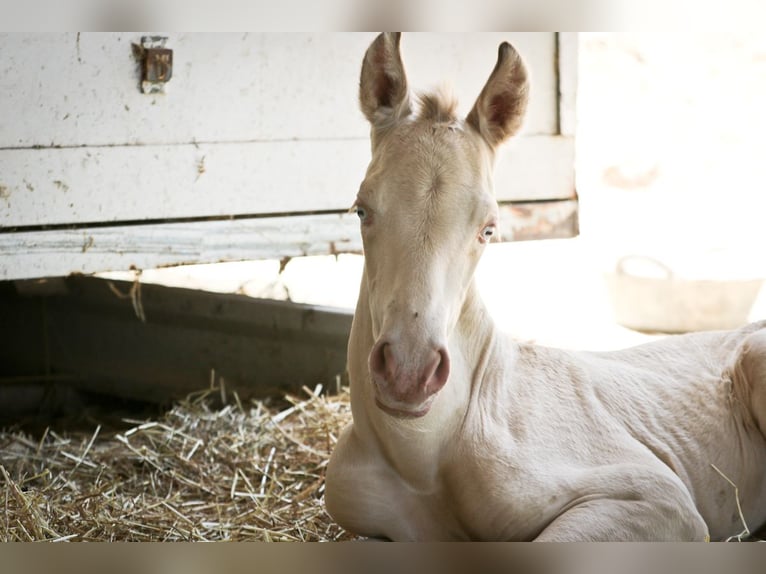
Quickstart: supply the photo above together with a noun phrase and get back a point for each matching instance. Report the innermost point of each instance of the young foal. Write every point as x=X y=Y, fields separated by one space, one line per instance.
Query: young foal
x=460 y=432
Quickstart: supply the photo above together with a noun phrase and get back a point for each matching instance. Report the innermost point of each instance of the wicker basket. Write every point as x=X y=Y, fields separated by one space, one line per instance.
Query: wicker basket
x=665 y=303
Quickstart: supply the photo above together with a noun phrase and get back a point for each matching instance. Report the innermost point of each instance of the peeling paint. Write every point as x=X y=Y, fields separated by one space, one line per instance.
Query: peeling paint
x=61 y=185
x=88 y=243
x=201 y=166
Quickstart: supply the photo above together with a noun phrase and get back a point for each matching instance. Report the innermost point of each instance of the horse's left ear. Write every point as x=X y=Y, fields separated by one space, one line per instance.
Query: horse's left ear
x=499 y=111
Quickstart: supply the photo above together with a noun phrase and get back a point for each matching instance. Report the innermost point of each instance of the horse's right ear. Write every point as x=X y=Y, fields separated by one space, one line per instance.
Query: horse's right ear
x=383 y=93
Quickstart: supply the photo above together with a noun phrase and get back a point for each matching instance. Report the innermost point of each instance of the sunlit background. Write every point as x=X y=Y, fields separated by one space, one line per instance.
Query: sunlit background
x=672 y=184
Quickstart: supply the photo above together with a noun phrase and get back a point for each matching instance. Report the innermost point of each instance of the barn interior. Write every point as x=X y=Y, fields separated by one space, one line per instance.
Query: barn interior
x=640 y=218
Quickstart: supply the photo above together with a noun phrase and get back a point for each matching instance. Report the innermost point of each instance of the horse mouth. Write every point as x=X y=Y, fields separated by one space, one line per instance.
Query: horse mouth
x=405 y=413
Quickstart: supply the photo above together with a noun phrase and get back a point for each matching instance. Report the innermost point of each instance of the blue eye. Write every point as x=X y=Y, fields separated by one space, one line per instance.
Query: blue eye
x=361 y=212
x=488 y=232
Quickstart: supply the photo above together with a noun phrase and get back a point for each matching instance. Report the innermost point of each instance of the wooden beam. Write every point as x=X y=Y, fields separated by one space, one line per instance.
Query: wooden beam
x=116 y=185
x=60 y=252
x=92 y=338
x=522 y=221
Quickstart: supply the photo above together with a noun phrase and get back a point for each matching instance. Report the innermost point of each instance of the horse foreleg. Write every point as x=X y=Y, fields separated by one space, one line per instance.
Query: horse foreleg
x=624 y=520
x=361 y=493
x=629 y=503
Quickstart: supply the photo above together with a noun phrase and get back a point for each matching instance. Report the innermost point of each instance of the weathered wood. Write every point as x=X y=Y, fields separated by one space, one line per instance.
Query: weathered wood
x=82 y=185
x=547 y=220
x=90 y=250
x=79 y=89
x=92 y=339
x=251 y=126
x=61 y=252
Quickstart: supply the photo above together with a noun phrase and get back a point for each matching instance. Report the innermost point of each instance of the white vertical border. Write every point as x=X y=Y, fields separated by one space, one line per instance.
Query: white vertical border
x=567 y=51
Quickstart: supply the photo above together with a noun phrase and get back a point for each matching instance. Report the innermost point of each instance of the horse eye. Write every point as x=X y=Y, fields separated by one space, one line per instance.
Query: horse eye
x=361 y=212
x=488 y=232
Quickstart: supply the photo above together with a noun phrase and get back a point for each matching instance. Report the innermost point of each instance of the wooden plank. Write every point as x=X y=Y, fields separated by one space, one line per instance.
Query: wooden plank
x=113 y=184
x=129 y=183
x=61 y=252
x=92 y=339
x=548 y=220
x=536 y=168
x=78 y=89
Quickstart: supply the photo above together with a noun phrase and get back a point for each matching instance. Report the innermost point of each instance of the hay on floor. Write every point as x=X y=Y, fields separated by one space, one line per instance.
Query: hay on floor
x=241 y=472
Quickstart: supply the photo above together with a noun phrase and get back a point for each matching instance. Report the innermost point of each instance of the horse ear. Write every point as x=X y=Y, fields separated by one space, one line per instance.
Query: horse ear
x=499 y=111
x=383 y=93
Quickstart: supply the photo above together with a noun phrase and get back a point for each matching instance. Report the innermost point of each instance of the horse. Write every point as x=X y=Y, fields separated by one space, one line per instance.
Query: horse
x=460 y=432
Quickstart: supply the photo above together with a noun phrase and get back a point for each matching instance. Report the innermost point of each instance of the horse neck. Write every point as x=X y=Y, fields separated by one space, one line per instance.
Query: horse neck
x=414 y=447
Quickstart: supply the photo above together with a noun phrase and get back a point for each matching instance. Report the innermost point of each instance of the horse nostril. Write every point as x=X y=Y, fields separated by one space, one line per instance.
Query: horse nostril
x=440 y=375
x=380 y=358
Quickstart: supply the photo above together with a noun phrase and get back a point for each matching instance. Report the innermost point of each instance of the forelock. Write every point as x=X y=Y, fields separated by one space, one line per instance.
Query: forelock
x=438 y=107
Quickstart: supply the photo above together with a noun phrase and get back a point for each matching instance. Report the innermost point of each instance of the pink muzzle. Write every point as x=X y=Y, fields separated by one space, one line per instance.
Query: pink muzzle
x=405 y=379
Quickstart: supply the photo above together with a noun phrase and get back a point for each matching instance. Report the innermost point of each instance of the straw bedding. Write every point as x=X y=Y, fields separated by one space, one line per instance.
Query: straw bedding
x=205 y=470
x=201 y=471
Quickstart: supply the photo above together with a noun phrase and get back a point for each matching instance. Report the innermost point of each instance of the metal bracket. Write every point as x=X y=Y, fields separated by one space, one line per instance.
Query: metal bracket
x=156 y=64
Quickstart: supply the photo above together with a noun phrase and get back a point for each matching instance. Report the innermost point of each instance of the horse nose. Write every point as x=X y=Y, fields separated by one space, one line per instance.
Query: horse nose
x=424 y=378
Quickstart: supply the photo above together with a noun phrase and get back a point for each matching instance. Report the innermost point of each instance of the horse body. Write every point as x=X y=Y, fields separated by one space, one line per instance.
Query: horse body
x=460 y=432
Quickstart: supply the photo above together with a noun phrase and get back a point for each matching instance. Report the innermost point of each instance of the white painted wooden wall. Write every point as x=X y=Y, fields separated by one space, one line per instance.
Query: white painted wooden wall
x=256 y=150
